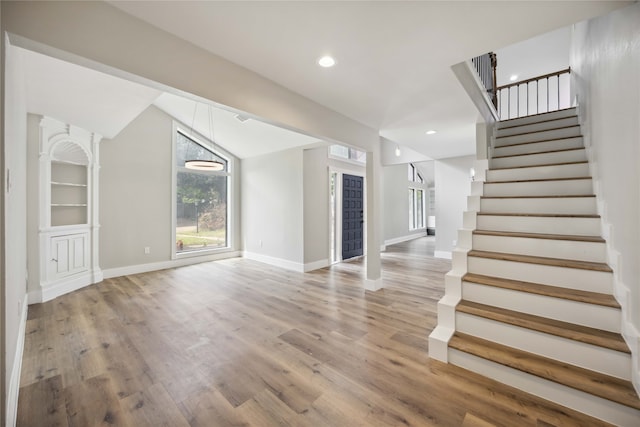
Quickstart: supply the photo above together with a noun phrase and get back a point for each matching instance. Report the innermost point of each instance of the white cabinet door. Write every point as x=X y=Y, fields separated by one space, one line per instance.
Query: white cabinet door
x=69 y=255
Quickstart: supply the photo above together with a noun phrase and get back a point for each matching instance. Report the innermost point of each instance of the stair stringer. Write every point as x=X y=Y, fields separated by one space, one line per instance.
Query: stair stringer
x=621 y=291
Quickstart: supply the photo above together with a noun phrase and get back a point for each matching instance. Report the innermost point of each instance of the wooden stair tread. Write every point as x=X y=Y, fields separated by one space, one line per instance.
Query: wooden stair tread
x=535 y=142
x=538 y=131
x=546 y=290
x=539 y=165
x=595 y=383
x=555 y=262
x=513 y=181
x=585 y=334
x=537 y=152
x=536 y=115
x=593 y=239
x=534 y=123
x=543 y=215
x=552 y=196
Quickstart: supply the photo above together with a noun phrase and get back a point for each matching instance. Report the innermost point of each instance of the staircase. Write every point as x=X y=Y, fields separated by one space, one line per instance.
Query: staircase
x=529 y=299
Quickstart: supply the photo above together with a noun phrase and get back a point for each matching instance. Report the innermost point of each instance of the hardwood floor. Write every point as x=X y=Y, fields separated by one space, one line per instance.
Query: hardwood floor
x=239 y=343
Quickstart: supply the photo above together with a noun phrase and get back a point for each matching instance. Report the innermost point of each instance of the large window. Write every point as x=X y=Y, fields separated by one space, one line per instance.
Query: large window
x=202 y=202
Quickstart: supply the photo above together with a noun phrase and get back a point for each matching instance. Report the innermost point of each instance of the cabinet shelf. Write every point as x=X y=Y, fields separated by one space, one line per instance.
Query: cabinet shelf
x=68 y=184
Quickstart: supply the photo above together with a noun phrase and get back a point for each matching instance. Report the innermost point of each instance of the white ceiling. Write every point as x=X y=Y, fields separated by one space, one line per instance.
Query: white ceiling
x=393 y=57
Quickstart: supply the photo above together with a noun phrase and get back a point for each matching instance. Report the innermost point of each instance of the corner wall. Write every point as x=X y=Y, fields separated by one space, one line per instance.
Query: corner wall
x=272 y=208
x=605 y=69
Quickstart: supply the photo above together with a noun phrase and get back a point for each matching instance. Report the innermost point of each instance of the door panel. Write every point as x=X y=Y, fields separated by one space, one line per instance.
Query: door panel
x=352 y=216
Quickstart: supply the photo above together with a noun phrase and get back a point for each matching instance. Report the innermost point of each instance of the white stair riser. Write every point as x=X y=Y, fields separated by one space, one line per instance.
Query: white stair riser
x=539 y=159
x=537 y=147
x=595 y=358
x=536 y=127
x=550 y=248
x=550 y=205
x=537 y=118
x=538 y=136
x=572 y=278
x=543 y=225
x=586 y=403
x=565 y=187
x=539 y=172
x=580 y=313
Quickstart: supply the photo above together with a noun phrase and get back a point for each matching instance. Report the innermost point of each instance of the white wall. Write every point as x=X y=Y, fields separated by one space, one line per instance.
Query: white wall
x=534 y=57
x=316 y=207
x=272 y=208
x=135 y=192
x=15 y=216
x=605 y=63
x=453 y=185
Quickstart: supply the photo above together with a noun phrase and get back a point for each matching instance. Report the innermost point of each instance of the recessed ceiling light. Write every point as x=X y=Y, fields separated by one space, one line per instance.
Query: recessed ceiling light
x=326 y=62
x=431 y=132
x=513 y=77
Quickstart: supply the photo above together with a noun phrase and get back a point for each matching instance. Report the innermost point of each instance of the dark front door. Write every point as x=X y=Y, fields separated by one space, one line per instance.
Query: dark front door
x=352 y=216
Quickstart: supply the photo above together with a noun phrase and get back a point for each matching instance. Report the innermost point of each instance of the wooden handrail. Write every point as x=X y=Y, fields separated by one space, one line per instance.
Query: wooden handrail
x=533 y=79
x=523 y=98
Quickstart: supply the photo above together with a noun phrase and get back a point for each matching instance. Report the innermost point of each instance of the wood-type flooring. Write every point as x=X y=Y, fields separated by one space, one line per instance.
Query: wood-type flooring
x=240 y=343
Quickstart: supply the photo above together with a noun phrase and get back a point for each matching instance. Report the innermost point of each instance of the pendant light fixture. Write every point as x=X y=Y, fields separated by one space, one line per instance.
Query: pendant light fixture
x=204 y=164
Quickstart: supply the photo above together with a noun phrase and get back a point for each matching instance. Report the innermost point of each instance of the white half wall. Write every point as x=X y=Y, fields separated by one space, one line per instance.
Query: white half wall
x=453 y=185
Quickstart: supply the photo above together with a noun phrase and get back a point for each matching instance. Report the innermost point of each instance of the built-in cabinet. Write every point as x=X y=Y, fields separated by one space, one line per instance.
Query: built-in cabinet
x=69 y=226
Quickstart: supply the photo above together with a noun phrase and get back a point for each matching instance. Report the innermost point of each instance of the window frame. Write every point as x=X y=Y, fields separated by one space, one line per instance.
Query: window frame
x=229 y=173
x=413 y=209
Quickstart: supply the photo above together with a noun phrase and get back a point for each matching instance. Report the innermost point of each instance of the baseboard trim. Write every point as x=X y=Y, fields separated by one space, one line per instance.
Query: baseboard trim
x=315 y=265
x=276 y=262
x=163 y=265
x=61 y=287
x=14 y=381
x=373 y=284
x=406 y=238
x=443 y=254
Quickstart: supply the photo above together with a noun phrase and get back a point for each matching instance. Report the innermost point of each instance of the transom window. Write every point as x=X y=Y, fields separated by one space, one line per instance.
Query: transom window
x=201 y=198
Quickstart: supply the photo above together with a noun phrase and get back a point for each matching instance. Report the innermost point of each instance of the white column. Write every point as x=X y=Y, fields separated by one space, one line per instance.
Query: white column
x=373 y=281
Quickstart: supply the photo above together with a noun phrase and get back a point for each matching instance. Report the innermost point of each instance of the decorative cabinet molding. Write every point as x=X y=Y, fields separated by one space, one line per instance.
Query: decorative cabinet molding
x=68 y=223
